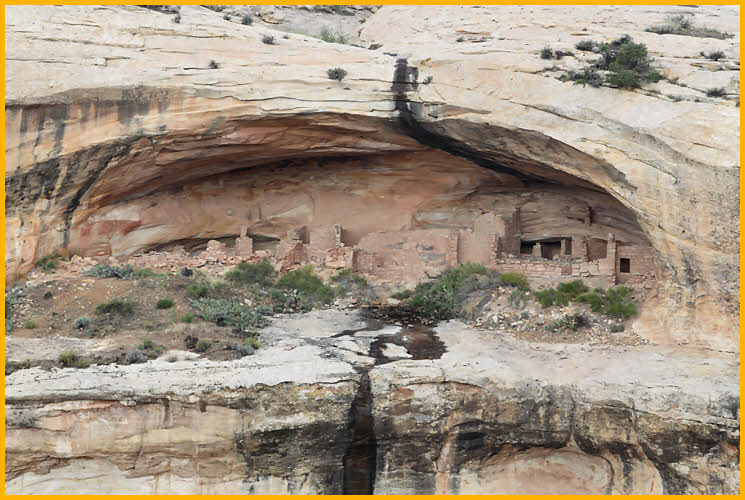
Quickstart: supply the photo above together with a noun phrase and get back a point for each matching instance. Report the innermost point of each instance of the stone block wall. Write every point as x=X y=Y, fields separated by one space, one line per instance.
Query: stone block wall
x=408 y=255
x=641 y=260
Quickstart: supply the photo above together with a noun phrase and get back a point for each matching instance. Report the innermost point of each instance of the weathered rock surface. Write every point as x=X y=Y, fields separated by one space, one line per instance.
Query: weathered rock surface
x=113 y=110
x=493 y=415
x=506 y=417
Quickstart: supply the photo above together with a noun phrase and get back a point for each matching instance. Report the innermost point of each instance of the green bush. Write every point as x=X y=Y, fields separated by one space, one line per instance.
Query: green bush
x=48 y=263
x=517 y=299
x=588 y=76
x=147 y=344
x=197 y=290
x=328 y=36
x=585 y=45
x=289 y=301
x=547 y=53
x=261 y=273
x=164 y=303
x=268 y=40
x=616 y=328
x=247 y=20
x=716 y=92
x=134 y=357
x=402 y=295
x=144 y=273
x=336 y=74
x=683 y=25
x=117 y=307
x=225 y=312
x=594 y=299
x=306 y=281
x=70 y=359
x=213 y=65
x=106 y=271
x=515 y=279
x=203 y=345
x=714 y=56
x=30 y=324
x=187 y=318
x=349 y=277
x=253 y=342
x=82 y=322
x=573 y=288
x=442 y=298
x=572 y=322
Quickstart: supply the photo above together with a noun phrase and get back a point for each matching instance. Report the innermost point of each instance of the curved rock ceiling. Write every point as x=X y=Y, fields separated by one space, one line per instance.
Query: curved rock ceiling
x=142 y=149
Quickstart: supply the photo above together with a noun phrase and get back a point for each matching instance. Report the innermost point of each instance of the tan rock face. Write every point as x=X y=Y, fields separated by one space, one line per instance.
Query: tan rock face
x=492 y=415
x=121 y=138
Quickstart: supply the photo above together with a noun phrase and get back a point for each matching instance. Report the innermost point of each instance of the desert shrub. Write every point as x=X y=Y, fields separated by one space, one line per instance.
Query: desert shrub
x=573 y=288
x=253 y=342
x=147 y=344
x=714 y=56
x=587 y=76
x=203 y=345
x=30 y=324
x=264 y=310
x=594 y=299
x=617 y=327
x=585 y=45
x=187 y=318
x=144 y=273
x=441 y=298
x=164 y=303
x=716 y=92
x=573 y=321
x=244 y=349
x=515 y=279
x=348 y=276
x=213 y=65
x=559 y=54
x=547 y=53
x=336 y=74
x=196 y=290
x=82 y=322
x=116 y=307
x=226 y=312
x=12 y=299
x=619 y=302
x=306 y=281
x=125 y=272
x=328 y=36
x=268 y=40
x=517 y=299
x=680 y=24
x=630 y=66
x=177 y=18
x=226 y=17
x=134 y=357
x=427 y=80
x=289 y=301
x=261 y=273
x=247 y=20
x=48 y=263
x=402 y=295
x=70 y=359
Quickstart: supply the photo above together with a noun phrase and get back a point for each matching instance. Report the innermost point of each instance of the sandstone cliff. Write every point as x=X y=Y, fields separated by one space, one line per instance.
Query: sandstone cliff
x=110 y=109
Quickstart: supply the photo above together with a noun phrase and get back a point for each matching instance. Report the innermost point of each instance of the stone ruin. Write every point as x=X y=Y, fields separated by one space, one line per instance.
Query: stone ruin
x=408 y=256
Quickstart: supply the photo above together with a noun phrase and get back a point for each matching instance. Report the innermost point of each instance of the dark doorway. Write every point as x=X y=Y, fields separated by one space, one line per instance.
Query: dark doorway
x=625 y=266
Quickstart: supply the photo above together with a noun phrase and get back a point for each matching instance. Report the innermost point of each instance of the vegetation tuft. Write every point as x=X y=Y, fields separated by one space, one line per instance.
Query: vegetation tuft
x=261 y=273
x=336 y=74
x=227 y=312
x=70 y=359
x=305 y=281
x=683 y=25
x=116 y=307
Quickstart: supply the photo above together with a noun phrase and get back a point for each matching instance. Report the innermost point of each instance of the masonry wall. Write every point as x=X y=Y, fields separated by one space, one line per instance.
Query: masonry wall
x=406 y=256
x=643 y=266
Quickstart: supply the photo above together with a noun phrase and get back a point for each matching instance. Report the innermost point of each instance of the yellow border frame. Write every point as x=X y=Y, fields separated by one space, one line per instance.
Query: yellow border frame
x=364 y=2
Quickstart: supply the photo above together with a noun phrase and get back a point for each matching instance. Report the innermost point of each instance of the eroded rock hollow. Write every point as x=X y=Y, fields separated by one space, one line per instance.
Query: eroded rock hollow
x=129 y=134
